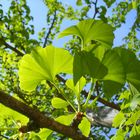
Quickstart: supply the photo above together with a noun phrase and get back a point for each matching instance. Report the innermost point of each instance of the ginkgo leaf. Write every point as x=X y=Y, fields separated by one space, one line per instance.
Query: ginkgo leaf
x=119 y=118
x=135 y=101
x=65 y=119
x=134 y=137
x=111 y=87
x=84 y=126
x=86 y=63
x=90 y=29
x=59 y=103
x=43 y=64
x=7 y=112
x=108 y=69
x=78 y=87
x=131 y=66
x=112 y=62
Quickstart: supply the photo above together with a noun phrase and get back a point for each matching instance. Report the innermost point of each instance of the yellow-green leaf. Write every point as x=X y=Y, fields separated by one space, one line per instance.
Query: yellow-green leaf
x=84 y=126
x=59 y=103
x=43 y=64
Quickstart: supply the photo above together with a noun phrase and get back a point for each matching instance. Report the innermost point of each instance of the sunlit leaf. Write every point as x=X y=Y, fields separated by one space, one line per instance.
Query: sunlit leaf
x=43 y=64
x=59 y=103
x=45 y=133
x=66 y=119
x=78 y=87
x=7 y=112
x=133 y=118
x=119 y=118
x=125 y=95
x=84 y=126
x=90 y=29
x=135 y=101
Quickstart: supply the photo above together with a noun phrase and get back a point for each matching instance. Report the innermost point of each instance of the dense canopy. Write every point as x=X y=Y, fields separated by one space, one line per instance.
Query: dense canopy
x=85 y=87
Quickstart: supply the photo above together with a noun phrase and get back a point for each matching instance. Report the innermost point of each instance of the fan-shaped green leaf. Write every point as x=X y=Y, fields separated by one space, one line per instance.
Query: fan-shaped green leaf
x=135 y=101
x=135 y=137
x=112 y=62
x=118 y=119
x=131 y=66
x=90 y=29
x=84 y=126
x=110 y=69
x=59 y=103
x=78 y=87
x=43 y=64
x=66 y=119
x=7 y=112
x=87 y=63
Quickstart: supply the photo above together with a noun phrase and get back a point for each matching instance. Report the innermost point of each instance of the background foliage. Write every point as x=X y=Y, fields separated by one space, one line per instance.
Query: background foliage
x=45 y=72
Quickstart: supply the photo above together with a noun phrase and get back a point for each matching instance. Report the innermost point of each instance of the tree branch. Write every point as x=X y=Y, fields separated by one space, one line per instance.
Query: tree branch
x=13 y=49
x=41 y=120
x=101 y=100
x=50 y=29
x=96 y=9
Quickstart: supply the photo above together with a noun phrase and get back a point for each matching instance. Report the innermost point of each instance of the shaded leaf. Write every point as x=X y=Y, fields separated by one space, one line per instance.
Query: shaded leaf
x=79 y=2
x=86 y=63
x=110 y=88
x=131 y=66
x=137 y=137
x=109 y=2
x=108 y=68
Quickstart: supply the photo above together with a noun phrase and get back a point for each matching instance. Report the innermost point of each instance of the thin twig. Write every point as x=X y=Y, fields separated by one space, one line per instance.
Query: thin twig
x=41 y=120
x=96 y=9
x=101 y=100
x=4 y=136
x=13 y=49
x=50 y=29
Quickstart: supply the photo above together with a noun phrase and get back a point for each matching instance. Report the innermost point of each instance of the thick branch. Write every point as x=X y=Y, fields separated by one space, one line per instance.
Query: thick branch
x=49 y=31
x=41 y=120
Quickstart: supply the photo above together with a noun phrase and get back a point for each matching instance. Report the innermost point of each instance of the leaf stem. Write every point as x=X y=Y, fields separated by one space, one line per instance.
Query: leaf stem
x=79 y=107
x=64 y=96
x=89 y=94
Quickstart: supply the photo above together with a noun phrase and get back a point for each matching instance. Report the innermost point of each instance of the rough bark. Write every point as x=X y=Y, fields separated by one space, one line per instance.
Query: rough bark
x=41 y=120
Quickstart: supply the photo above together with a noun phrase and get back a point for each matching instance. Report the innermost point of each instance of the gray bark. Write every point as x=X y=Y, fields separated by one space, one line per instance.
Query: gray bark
x=102 y=116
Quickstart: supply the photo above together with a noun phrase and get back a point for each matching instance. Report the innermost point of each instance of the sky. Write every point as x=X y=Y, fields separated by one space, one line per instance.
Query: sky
x=39 y=10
